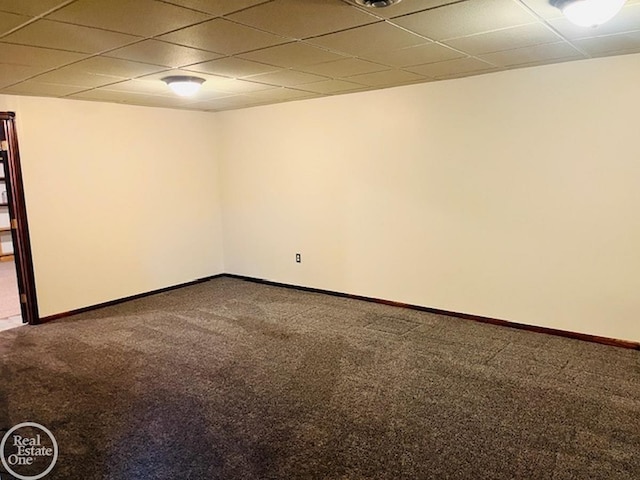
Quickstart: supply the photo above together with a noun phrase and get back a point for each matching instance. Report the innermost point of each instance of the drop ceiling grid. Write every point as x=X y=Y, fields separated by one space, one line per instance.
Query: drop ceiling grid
x=414 y=41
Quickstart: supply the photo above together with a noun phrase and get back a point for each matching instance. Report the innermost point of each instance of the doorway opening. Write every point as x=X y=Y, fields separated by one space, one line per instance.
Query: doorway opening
x=18 y=302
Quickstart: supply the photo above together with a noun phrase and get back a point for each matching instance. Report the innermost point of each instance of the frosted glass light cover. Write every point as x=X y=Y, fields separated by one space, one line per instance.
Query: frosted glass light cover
x=184 y=86
x=591 y=13
x=185 y=89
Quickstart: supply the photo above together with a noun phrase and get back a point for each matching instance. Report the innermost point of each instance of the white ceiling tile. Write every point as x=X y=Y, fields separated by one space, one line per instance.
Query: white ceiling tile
x=162 y=53
x=452 y=67
x=105 y=95
x=98 y=95
x=33 y=8
x=370 y=38
x=212 y=86
x=236 y=86
x=217 y=7
x=215 y=104
x=534 y=54
x=287 y=78
x=63 y=36
x=406 y=7
x=505 y=39
x=37 y=56
x=466 y=18
x=302 y=19
x=387 y=78
x=404 y=57
x=137 y=17
x=245 y=102
x=610 y=44
x=345 y=68
x=9 y=21
x=281 y=94
x=10 y=73
x=143 y=86
x=64 y=76
x=222 y=103
x=131 y=98
x=39 y=89
x=543 y=8
x=114 y=67
x=232 y=67
x=332 y=86
x=245 y=66
x=163 y=102
x=296 y=54
x=223 y=36
x=148 y=86
x=211 y=94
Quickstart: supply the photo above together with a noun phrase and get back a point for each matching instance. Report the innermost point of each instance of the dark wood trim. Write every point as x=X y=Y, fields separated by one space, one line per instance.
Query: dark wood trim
x=126 y=299
x=18 y=211
x=467 y=316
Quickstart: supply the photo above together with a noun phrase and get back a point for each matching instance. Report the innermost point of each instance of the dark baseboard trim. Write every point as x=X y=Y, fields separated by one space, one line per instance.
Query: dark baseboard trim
x=126 y=299
x=467 y=316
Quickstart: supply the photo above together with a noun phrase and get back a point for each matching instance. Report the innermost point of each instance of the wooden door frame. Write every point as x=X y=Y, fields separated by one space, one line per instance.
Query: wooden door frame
x=19 y=224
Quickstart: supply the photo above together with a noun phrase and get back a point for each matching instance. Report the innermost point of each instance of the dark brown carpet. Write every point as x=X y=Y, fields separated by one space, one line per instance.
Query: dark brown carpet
x=234 y=380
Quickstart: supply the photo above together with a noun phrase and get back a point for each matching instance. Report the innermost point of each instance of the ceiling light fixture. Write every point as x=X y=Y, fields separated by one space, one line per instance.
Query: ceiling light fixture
x=184 y=85
x=377 y=3
x=589 y=13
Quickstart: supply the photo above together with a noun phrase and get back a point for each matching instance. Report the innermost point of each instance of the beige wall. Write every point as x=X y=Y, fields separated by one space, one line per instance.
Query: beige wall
x=514 y=195
x=121 y=199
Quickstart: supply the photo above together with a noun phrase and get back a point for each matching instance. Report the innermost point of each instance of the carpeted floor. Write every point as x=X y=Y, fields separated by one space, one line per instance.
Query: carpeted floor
x=234 y=380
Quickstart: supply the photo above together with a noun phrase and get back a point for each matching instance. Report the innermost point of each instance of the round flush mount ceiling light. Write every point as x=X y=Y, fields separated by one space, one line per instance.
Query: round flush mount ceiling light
x=589 y=13
x=183 y=85
x=377 y=3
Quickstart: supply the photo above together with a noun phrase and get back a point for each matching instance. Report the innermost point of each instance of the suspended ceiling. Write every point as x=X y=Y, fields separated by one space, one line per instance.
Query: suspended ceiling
x=254 y=52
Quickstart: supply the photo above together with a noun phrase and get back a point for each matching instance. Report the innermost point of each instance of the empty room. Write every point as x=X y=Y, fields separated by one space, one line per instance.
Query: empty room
x=320 y=239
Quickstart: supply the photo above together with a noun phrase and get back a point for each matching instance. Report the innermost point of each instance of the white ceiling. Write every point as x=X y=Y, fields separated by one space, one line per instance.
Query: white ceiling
x=254 y=52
